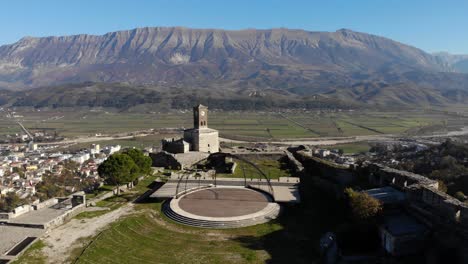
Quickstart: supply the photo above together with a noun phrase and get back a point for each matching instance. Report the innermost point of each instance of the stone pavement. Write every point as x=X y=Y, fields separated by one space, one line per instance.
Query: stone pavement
x=12 y=235
x=285 y=189
x=38 y=217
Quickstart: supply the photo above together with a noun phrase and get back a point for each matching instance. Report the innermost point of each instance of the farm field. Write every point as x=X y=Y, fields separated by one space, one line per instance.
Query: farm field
x=241 y=125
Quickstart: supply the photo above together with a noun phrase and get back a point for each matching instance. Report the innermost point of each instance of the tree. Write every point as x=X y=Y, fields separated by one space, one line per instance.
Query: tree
x=141 y=160
x=363 y=206
x=442 y=186
x=118 y=169
x=460 y=196
x=10 y=202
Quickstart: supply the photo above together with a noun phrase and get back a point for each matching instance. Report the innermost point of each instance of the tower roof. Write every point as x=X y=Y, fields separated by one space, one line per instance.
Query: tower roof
x=200 y=105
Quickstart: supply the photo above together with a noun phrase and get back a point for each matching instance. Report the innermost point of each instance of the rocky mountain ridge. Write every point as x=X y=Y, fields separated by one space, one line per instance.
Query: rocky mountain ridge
x=294 y=62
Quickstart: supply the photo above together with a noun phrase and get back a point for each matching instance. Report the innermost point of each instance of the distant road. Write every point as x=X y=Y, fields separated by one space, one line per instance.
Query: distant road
x=303 y=141
x=318 y=141
x=25 y=130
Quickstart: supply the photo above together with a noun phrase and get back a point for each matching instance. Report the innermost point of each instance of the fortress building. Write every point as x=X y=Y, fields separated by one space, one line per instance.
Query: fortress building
x=200 y=138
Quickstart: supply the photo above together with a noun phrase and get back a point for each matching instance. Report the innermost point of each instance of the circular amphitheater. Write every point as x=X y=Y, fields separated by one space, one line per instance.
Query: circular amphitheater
x=222 y=207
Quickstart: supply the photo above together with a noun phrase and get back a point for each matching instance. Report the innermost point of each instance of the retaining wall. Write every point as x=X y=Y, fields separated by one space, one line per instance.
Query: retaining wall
x=46 y=203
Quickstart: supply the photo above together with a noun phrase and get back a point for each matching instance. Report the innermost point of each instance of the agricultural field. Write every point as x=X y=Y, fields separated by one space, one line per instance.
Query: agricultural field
x=236 y=125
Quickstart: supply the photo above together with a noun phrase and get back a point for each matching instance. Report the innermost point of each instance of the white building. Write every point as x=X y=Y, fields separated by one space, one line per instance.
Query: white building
x=112 y=149
x=95 y=149
x=81 y=157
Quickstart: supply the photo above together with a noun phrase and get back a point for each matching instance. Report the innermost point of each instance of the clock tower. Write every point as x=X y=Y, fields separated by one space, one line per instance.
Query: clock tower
x=200 y=116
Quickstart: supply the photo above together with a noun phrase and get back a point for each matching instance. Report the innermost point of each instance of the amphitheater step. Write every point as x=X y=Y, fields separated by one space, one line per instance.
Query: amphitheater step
x=272 y=213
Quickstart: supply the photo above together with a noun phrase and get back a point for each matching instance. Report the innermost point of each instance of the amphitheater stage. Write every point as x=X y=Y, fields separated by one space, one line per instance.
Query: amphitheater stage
x=222 y=207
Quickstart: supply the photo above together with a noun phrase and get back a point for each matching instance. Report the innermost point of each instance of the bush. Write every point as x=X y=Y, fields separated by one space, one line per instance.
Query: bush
x=460 y=196
x=10 y=202
x=363 y=207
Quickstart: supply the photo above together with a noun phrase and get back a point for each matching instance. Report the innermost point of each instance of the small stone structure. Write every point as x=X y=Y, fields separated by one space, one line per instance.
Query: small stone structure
x=200 y=138
x=175 y=145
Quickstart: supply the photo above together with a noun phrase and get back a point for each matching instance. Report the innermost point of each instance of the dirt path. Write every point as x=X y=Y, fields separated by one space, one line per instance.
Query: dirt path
x=63 y=239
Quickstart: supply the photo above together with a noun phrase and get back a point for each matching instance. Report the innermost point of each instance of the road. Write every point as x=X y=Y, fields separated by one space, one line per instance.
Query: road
x=318 y=141
x=321 y=141
x=25 y=130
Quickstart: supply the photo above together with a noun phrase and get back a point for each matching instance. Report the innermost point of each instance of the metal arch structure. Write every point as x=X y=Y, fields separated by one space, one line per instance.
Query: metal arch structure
x=224 y=155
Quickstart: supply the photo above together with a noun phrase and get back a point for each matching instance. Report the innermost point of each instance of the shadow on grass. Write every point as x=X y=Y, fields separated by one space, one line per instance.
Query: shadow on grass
x=145 y=197
x=302 y=226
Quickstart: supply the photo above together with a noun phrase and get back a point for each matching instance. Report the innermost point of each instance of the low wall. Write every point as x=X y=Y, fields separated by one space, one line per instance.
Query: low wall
x=64 y=217
x=293 y=162
x=27 y=208
x=46 y=203
x=316 y=167
x=6 y=216
x=384 y=176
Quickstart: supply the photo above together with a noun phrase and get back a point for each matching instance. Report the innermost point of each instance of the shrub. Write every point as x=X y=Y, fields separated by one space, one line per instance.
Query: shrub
x=363 y=207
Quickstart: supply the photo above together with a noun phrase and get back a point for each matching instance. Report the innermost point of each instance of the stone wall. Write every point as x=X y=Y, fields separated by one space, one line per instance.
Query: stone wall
x=340 y=175
x=46 y=203
x=27 y=208
x=21 y=210
x=165 y=159
x=293 y=162
x=175 y=145
x=65 y=217
x=422 y=192
x=384 y=176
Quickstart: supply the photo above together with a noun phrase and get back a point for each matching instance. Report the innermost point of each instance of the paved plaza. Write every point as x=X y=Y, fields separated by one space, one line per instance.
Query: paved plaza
x=12 y=235
x=38 y=217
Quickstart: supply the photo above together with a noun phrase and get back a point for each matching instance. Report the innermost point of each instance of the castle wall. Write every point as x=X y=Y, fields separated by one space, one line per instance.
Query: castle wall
x=165 y=159
x=422 y=192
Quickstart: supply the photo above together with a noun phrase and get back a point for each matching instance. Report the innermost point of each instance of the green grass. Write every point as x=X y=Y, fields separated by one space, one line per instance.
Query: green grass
x=271 y=167
x=33 y=254
x=139 y=239
x=110 y=204
x=115 y=202
x=149 y=237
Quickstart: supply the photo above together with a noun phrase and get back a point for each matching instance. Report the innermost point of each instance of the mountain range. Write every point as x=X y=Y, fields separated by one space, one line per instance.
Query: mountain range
x=344 y=67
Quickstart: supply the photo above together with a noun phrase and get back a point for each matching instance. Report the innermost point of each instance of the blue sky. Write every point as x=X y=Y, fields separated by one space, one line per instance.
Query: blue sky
x=430 y=25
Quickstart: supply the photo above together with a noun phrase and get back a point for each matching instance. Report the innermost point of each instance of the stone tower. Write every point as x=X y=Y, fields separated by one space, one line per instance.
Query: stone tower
x=201 y=137
x=200 y=116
